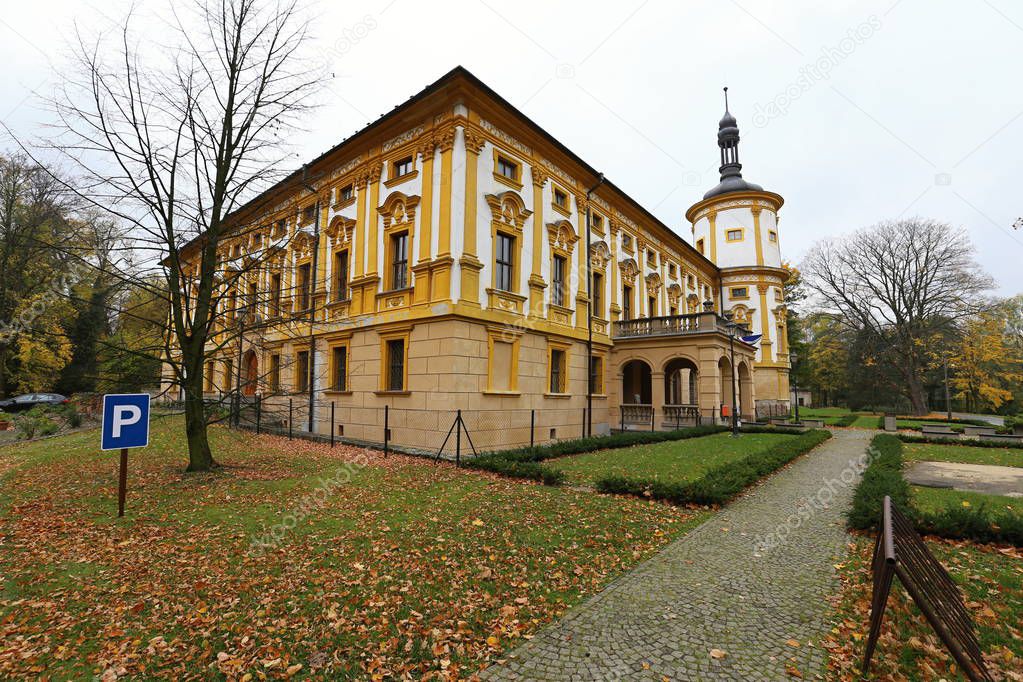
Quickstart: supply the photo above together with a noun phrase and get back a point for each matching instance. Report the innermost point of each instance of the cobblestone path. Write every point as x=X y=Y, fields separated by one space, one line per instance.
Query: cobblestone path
x=718 y=588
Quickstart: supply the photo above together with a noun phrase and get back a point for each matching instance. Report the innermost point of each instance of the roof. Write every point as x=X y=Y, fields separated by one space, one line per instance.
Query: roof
x=460 y=72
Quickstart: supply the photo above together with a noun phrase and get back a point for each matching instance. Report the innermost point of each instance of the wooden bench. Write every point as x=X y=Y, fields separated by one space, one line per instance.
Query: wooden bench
x=938 y=431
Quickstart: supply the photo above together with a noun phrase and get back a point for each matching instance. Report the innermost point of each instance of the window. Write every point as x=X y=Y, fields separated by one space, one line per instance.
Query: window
x=309 y=213
x=673 y=310
x=626 y=302
x=560 y=199
x=504 y=264
x=503 y=364
x=395 y=365
x=252 y=298
x=699 y=245
x=740 y=292
x=402 y=167
x=508 y=169
x=339 y=369
x=672 y=272
x=275 y=294
x=279 y=227
x=341 y=275
x=597 y=375
x=733 y=235
x=597 y=295
x=558 y=371
x=772 y=236
x=597 y=222
x=558 y=281
x=626 y=241
x=651 y=257
x=692 y=282
x=399 y=260
x=275 y=373
x=302 y=371
x=302 y=285
x=651 y=304
x=346 y=193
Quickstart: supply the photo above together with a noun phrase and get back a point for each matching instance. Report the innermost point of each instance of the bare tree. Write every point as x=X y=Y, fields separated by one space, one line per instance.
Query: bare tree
x=902 y=284
x=174 y=132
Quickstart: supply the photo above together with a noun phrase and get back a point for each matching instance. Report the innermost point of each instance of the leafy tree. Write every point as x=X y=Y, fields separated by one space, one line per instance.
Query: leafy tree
x=894 y=284
x=986 y=364
x=43 y=348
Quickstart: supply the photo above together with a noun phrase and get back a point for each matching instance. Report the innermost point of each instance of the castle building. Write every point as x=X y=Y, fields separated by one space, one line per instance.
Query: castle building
x=453 y=255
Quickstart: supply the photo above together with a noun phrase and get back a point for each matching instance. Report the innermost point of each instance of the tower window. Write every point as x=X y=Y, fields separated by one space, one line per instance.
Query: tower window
x=772 y=236
x=734 y=235
x=739 y=292
x=699 y=245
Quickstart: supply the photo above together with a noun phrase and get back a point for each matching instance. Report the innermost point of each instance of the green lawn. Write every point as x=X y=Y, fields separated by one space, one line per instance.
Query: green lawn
x=381 y=568
x=934 y=452
x=936 y=499
x=991 y=581
x=673 y=461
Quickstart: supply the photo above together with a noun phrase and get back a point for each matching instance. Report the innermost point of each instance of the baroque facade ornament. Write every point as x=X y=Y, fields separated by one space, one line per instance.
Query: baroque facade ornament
x=629 y=270
x=398 y=208
x=561 y=236
x=508 y=208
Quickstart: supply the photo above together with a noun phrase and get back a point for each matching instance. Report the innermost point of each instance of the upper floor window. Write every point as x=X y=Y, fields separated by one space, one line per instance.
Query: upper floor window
x=346 y=193
x=734 y=235
x=699 y=245
x=558 y=281
x=772 y=235
x=560 y=199
x=626 y=241
x=626 y=302
x=309 y=213
x=302 y=371
x=275 y=294
x=672 y=271
x=402 y=167
x=399 y=260
x=597 y=222
x=740 y=292
x=597 y=295
x=302 y=285
x=651 y=257
x=508 y=169
x=504 y=262
x=692 y=282
x=341 y=275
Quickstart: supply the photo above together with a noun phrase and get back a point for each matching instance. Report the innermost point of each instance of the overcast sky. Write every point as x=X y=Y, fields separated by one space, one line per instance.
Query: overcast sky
x=855 y=112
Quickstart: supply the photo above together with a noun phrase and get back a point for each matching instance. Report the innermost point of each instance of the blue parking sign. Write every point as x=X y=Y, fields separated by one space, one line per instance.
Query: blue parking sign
x=125 y=421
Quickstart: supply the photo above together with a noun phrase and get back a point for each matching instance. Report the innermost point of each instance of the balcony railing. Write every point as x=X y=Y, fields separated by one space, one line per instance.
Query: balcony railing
x=681 y=415
x=673 y=325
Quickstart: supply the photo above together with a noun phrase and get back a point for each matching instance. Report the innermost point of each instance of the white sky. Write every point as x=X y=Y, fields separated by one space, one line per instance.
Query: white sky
x=922 y=114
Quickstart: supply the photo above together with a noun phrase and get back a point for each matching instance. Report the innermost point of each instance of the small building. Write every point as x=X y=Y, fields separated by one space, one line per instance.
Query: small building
x=454 y=255
x=803 y=397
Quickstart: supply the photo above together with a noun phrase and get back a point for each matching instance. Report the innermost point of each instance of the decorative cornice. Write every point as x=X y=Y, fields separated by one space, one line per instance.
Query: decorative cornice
x=474 y=141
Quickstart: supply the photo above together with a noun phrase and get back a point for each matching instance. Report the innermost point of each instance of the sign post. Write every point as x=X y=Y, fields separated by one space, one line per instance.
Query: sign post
x=125 y=425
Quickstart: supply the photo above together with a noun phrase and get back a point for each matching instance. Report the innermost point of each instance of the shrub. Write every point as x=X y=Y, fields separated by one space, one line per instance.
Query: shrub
x=972 y=442
x=624 y=439
x=846 y=419
x=722 y=483
x=882 y=477
x=533 y=471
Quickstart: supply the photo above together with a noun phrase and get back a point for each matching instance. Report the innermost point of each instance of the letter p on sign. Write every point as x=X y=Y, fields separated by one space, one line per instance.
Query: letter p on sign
x=125 y=421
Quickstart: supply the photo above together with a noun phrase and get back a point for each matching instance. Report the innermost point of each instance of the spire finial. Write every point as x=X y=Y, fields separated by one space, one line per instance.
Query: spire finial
x=726 y=98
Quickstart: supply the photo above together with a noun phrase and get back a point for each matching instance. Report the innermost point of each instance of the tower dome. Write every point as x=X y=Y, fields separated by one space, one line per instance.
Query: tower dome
x=731 y=169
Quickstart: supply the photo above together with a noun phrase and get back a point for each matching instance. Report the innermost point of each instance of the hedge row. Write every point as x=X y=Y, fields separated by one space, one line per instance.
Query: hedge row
x=533 y=471
x=884 y=477
x=722 y=483
x=845 y=419
x=971 y=442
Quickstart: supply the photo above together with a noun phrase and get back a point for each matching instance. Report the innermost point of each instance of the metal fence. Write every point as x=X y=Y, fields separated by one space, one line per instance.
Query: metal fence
x=417 y=431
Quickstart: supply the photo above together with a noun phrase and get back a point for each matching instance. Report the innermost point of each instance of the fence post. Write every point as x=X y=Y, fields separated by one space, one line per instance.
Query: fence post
x=458 y=439
x=291 y=415
x=532 y=425
x=387 y=410
x=259 y=411
x=331 y=423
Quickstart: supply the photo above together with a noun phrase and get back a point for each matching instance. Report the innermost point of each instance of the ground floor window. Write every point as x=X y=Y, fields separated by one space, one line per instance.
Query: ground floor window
x=597 y=374
x=339 y=368
x=395 y=365
x=275 y=373
x=302 y=371
x=558 y=371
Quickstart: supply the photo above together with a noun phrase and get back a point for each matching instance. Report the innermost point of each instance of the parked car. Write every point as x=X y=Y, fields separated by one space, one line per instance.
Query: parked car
x=30 y=400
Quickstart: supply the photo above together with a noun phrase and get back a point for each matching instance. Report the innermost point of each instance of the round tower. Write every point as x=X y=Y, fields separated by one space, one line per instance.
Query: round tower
x=736 y=227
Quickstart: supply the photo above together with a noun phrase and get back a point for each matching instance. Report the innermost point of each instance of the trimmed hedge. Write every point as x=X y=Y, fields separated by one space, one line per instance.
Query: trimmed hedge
x=722 y=483
x=884 y=477
x=846 y=419
x=969 y=442
x=533 y=471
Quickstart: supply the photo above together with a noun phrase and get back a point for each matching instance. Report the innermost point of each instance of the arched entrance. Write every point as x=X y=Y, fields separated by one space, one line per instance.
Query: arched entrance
x=727 y=386
x=251 y=364
x=680 y=393
x=745 y=380
x=637 y=394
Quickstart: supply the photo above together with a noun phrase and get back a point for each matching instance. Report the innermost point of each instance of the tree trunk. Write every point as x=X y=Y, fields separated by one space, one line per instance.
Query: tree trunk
x=200 y=457
x=917 y=396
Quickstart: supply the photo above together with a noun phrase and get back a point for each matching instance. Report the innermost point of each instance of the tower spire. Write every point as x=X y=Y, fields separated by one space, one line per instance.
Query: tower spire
x=731 y=169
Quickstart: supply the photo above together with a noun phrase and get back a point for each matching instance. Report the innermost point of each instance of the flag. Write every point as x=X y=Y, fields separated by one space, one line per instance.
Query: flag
x=751 y=339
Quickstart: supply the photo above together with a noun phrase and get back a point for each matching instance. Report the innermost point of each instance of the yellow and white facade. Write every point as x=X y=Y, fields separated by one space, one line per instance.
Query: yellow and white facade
x=437 y=260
